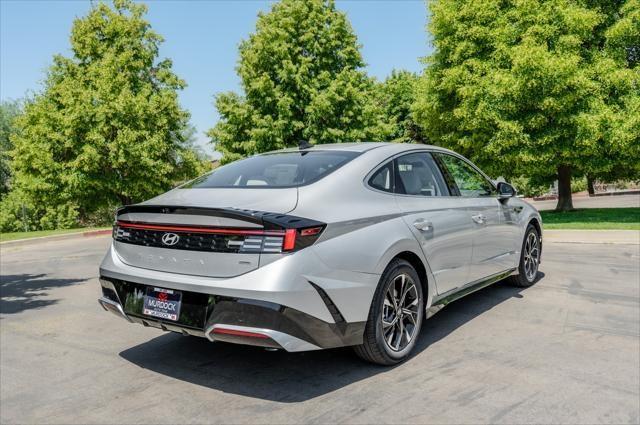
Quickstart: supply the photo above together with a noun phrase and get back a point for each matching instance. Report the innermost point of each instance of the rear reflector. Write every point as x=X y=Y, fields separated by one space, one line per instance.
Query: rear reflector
x=236 y=332
x=311 y=231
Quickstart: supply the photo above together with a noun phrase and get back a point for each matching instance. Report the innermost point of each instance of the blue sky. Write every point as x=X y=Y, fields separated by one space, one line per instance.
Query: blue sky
x=201 y=37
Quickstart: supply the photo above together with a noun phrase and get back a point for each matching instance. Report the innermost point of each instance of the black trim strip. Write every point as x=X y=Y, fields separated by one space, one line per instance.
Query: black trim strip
x=333 y=309
x=458 y=293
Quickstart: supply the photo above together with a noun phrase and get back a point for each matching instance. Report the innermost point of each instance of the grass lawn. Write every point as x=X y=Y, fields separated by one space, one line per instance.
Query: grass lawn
x=26 y=235
x=593 y=219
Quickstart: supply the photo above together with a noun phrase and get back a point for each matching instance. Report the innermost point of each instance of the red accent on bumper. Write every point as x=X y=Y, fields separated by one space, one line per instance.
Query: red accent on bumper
x=238 y=333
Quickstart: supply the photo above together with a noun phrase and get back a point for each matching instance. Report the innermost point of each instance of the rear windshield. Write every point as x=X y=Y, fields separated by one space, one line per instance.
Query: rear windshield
x=288 y=169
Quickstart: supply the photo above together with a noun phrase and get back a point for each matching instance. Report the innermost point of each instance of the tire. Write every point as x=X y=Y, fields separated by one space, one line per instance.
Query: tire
x=526 y=275
x=391 y=344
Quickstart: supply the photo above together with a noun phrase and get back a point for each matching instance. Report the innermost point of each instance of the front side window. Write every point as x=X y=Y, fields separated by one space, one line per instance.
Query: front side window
x=418 y=174
x=286 y=169
x=470 y=182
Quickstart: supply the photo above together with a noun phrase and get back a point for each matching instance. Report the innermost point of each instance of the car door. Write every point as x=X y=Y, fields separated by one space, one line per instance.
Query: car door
x=439 y=221
x=490 y=246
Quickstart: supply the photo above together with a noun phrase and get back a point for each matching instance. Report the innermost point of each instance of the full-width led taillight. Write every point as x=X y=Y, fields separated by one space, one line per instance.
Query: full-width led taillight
x=215 y=239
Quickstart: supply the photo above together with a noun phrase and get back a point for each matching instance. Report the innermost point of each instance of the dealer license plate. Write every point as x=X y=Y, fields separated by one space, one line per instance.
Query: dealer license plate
x=162 y=303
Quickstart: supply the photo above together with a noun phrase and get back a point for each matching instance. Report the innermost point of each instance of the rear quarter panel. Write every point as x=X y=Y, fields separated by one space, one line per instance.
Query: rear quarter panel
x=365 y=230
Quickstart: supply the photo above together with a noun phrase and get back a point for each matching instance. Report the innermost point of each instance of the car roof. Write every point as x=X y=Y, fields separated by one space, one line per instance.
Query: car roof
x=363 y=147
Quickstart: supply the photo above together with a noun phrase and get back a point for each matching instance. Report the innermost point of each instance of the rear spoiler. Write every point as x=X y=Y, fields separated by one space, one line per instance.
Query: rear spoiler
x=268 y=220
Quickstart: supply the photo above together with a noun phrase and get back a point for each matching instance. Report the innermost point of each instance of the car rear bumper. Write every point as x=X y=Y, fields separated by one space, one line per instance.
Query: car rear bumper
x=292 y=280
x=232 y=319
x=295 y=300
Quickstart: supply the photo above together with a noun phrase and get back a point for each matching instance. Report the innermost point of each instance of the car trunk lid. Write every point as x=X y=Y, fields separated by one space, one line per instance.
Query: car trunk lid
x=180 y=232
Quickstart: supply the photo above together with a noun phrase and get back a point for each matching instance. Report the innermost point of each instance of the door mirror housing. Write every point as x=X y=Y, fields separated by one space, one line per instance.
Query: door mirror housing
x=505 y=190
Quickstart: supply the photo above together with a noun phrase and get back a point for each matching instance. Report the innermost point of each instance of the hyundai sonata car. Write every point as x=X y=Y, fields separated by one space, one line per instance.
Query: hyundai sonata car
x=319 y=247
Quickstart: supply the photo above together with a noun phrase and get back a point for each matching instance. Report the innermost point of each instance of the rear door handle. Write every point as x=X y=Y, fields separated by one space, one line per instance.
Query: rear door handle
x=422 y=225
x=479 y=218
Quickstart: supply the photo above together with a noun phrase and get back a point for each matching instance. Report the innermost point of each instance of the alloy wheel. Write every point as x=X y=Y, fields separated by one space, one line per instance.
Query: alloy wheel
x=531 y=256
x=400 y=312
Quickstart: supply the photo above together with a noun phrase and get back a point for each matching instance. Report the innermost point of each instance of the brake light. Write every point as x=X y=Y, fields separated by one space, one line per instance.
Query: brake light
x=289 y=242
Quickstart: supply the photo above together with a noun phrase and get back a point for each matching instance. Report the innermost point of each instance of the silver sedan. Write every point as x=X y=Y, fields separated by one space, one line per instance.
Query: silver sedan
x=319 y=247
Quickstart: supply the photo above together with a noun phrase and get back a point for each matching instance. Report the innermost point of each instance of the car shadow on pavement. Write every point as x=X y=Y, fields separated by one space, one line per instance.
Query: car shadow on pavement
x=22 y=292
x=292 y=377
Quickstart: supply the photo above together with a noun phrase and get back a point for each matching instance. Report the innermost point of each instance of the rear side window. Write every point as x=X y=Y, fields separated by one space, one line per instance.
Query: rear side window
x=383 y=178
x=287 y=169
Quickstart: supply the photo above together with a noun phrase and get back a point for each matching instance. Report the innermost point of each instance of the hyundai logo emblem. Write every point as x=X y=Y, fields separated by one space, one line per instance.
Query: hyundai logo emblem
x=170 y=239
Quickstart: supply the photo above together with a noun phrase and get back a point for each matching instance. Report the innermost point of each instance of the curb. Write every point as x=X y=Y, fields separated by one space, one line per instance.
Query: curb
x=76 y=235
x=619 y=193
x=612 y=237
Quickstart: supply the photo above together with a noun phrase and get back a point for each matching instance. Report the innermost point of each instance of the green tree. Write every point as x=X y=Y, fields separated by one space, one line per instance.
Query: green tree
x=547 y=89
x=612 y=122
x=396 y=95
x=301 y=74
x=9 y=110
x=108 y=128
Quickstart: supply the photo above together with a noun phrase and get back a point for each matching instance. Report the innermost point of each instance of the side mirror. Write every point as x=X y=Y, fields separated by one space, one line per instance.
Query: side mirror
x=505 y=190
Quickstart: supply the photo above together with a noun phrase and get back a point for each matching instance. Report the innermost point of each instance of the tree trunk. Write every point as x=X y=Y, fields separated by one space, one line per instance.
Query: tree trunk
x=124 y=200
x=590 y=188
x=564 y=189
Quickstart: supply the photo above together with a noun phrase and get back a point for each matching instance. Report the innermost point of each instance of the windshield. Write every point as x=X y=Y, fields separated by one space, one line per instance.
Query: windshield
x=287 y=169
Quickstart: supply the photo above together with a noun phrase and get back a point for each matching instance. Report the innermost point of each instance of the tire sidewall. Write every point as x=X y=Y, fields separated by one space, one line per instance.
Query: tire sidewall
x=388 y=277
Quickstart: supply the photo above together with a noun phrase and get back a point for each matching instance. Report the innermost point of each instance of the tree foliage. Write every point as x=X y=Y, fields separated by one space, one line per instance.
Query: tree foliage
x=396 y=96
x=9 y=110
x=107 y=129
x=533 y=87
x=301 y=75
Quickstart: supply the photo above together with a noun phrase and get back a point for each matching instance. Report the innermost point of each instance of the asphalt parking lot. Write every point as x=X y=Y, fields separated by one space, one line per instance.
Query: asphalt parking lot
x=566 y=350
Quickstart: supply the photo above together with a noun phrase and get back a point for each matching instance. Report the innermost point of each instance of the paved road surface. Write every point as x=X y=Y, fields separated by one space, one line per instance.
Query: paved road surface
x=563 y=351
x=618 y=201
